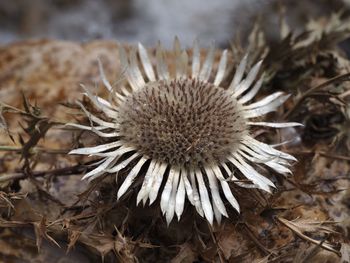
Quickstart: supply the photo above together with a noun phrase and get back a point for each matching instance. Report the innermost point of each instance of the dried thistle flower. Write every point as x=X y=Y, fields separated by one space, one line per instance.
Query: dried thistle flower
x=184 y=132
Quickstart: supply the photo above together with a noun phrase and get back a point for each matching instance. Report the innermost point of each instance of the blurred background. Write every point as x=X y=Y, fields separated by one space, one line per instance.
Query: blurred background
x=151 y=20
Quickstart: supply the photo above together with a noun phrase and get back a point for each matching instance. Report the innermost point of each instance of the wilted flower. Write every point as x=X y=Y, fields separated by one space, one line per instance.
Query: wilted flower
x=183 y=131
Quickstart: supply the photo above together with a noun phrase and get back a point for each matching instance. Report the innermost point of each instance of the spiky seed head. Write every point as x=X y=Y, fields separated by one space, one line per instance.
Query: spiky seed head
x=183 y=122
x=184 y=134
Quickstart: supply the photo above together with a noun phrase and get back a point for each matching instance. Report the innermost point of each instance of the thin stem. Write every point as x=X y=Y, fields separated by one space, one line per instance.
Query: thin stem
x=71 y=170
x=13 y=108
x=6 y=148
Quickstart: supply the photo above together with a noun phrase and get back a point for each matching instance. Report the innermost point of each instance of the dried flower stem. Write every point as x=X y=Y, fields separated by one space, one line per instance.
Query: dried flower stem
x=76 y=169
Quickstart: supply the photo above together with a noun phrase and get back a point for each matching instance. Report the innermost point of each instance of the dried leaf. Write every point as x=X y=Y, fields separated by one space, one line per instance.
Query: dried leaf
x=186 y=254
x=3 y=124
x=73 y=237
x=261 y=260
x=300 y=226
x=345 y=253
x=41 y=232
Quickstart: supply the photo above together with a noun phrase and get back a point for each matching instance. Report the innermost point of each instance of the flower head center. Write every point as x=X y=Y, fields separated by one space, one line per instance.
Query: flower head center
x=184 y=122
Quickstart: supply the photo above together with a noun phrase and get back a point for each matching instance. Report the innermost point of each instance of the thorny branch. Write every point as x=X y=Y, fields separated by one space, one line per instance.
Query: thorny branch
x=76 y=169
